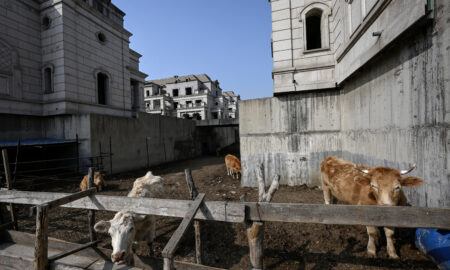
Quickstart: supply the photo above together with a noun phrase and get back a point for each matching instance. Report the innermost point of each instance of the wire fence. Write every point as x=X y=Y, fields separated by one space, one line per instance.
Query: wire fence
x=37 y=166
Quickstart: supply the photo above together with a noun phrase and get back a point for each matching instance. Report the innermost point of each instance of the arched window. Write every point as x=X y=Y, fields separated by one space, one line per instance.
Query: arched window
x=47 y=78
x=313 y=36
x=102 y=88
x=316 y=33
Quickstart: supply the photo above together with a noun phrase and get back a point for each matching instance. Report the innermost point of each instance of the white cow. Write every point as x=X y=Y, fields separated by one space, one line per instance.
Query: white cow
x=128 y=227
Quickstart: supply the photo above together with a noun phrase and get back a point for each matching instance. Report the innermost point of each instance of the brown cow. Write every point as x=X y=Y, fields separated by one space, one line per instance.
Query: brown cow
x=233 y=166
x=99 y=182
x=362 y=185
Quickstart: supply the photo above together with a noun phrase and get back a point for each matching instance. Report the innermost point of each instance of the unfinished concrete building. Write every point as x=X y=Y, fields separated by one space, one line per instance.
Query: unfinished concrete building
x=233 y=104
x=62 y=64
x=366 y=80
x=190 y=97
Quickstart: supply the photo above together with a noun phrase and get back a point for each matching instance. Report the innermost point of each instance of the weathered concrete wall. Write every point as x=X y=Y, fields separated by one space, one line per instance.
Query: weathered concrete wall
x=290 y=135
x=168 y=139
x=394 y=112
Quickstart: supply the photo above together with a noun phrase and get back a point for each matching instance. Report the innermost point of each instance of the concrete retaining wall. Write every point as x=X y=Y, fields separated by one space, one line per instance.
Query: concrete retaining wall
x=394 y=112
x=168 y=139
x=148 y=140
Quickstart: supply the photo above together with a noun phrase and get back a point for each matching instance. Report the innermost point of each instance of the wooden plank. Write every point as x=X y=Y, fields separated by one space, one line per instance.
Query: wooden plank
x=387 y=216
x=70 y=198
x=91 y=213
x=193 y=192
x=9 y=186
x=216 y=211
x=382 y=216
x=188 y=219
x=41 y=242
x=72 y=251
x=139 y=261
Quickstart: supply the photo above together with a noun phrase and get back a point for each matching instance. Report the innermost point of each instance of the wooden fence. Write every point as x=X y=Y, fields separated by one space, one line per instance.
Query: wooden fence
x=252 y=213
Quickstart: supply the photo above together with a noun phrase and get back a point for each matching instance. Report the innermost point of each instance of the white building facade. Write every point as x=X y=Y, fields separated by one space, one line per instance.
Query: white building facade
x=67 y=57
x=233 y=103
x=190 y=97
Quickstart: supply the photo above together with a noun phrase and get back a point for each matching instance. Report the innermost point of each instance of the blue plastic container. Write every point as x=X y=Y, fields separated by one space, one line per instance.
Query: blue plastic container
x=435 y=244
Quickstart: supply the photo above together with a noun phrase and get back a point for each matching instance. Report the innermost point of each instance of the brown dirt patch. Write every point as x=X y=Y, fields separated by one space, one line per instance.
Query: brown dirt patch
x=287 y=245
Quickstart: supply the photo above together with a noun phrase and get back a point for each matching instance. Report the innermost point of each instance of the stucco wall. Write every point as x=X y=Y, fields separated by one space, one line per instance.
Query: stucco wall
x=394 y=112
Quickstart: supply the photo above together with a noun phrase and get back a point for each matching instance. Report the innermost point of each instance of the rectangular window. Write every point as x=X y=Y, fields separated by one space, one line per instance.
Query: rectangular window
x=98 y=6
x=188 y=103
x=175 y=92
x=102 y=88
x=147 y=93
x=175 y=105
x=188 y=91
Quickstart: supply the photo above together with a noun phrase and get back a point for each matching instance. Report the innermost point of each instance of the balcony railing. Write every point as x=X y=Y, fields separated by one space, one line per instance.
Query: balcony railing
x=191 y=105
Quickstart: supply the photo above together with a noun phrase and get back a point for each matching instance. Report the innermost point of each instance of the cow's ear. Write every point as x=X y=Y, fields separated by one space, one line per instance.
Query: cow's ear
x=102 y=226
x=411 y=181
x=362 y=180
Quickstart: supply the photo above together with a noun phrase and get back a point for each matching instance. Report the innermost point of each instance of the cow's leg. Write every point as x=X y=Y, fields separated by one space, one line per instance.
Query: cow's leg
x=327 y=194
x=390 y=242
x=374 y=235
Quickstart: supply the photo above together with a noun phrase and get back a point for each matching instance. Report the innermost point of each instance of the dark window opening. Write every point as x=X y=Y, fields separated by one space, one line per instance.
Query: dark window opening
x=188 y=103
x=102 y=87
x=175 y=92
x=48 y=80
x=187 y=116
x=134 y=85
x=188 y=91
x=313 y=34
x=46 y=22
x=215 y=115
x=101 y=37
x=175 y=105
x=147 y=93
x=197 y=116
x=98 y=6
x=156 y=104
x=198 y=103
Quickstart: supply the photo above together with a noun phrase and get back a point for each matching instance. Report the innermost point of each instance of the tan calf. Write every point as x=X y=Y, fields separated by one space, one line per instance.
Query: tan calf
x=99 y=181
x=362 y=185
x=233 y=166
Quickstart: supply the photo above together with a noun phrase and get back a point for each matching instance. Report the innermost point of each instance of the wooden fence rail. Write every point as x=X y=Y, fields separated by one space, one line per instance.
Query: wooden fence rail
x=388 y=216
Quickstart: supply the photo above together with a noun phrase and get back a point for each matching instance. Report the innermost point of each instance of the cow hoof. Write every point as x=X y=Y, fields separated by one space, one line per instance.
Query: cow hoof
x=393 y=256
x=371 y=253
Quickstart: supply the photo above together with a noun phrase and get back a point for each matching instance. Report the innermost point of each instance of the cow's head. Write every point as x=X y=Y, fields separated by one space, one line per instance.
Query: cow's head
x=122 y=231
x=386 y=183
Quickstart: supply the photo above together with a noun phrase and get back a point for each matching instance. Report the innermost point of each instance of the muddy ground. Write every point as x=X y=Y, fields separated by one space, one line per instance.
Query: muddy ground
x=286 y=245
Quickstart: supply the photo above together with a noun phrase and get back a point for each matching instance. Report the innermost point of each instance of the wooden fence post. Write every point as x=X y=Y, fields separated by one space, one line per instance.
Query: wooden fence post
x=255 y=229
x=193 y=192
x=9 y=186
x=91 y=213
x=41 y=242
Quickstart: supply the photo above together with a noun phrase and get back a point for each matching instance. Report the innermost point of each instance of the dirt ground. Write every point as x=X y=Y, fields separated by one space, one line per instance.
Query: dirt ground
x=286 y=245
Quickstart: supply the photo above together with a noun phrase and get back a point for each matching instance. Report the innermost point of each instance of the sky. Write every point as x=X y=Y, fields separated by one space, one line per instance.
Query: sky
x=228 y=40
